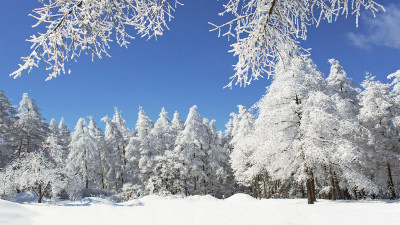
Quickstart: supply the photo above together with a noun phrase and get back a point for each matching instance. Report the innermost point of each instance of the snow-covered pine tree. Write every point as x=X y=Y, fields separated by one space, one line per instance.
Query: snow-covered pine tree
x=334 y=145
x=144 y=142
x=114 y=154
x=64 y=137
x=177 y=124
x=126 y=135
x=163 y=141
x=52 y=144
x=84 y=158
x=7 y=117
x=53 y=126
x=343 y=90
x=219 y=173
x=191 y=147
x=53 y=148
x=241 y=156
x=35 y=172
x=280 y=149
x=377 y=114
x=100 y=145
x=30 y=130
x=396 y=124
x=167 y=163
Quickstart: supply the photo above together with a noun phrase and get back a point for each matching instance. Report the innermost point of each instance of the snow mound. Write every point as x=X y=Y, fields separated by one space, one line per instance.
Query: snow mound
x=152 y=198
x=202 y=198
x=240 y=198
x=15 y=214
x=133 y=202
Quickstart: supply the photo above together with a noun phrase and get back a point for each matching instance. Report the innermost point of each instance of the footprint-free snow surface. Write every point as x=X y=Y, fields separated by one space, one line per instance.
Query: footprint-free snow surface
x=205 y=210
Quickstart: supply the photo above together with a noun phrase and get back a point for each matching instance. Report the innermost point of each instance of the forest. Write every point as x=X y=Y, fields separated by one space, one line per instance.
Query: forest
x=310 y=136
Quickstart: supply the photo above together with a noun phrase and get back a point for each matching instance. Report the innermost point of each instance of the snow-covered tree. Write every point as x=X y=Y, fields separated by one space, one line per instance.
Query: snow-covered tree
x=278 y=138
x=84 y=158
x=144 y=144
x=377 y=114
x=6 y=152
x=87 y=25
x=177 y=124
x=241 y=156
x=7 y=117
x=343 y=89
x=7 y=113
x=164 y=140
x=64 y=136
x=220 y=177
x=36 y=172
x=126 y=134
x=53 y=126
x=114 y=154
x=191 y=148
x=267 y=31
x=334 y=145
x=100 y=144
x=30 y=130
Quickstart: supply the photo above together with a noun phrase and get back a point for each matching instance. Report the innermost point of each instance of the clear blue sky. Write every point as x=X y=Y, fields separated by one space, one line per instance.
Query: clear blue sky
x=188 y=65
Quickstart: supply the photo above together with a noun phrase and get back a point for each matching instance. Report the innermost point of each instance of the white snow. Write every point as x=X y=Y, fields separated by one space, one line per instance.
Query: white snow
x=239 y=209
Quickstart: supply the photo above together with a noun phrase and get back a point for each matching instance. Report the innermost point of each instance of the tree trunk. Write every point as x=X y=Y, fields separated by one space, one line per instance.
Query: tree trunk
x=390 y=182
x=40 y=194
x=309 y=192
x=332 y=181
x=265 y=185
x=337 y=187
x=310 y=187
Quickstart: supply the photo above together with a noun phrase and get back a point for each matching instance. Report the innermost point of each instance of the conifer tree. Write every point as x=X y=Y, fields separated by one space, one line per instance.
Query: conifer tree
x=343 y=90
x=30 y=130
x=145 y=146
x=64 y=136
x=84 y=158
x=191 y=147
x=98 y=136
x=377 y=114
x=162 y=134
x=7 y=118
x=114 y=154
x=279 y=150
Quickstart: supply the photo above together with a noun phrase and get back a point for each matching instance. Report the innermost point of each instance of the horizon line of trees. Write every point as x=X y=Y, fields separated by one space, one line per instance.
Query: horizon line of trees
x=311 y=136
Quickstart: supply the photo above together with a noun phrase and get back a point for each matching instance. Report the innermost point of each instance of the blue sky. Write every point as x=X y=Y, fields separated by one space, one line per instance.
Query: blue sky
x=188 y=65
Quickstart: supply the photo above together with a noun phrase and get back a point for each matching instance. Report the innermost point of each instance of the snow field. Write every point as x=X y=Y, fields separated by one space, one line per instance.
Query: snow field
x=239 y=209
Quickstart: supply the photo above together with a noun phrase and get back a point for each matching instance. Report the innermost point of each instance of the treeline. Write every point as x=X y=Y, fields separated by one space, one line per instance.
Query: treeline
x=320 y=137
x=311 y=136
x=167 y=157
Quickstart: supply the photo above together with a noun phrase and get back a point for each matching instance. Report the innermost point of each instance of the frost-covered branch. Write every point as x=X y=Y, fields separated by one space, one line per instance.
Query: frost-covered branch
x=76 y=26
x=267 y=31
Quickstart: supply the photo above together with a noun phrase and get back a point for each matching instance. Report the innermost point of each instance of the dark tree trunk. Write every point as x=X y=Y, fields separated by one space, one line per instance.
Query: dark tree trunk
x=390 y=183
x=265 y=185
x=40 y=192
x=332 y=181
x=309 y=192
x=310 y=187
x=337 y=187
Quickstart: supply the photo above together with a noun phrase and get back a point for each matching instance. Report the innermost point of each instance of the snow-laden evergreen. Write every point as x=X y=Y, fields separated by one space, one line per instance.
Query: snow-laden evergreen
x=30 y=130
x=84 y=157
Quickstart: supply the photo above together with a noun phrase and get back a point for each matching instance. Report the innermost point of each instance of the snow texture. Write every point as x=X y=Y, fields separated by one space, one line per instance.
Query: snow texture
x=238 y=209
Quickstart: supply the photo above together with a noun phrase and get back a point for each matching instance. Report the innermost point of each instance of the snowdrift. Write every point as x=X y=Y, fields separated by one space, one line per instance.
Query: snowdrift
x=239 y=209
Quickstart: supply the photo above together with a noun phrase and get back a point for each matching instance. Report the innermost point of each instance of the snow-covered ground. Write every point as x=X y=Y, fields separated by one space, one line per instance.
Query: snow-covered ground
x=205 y=210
